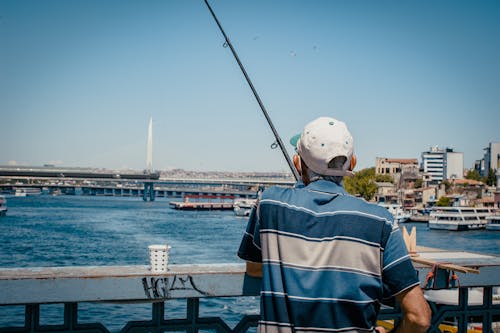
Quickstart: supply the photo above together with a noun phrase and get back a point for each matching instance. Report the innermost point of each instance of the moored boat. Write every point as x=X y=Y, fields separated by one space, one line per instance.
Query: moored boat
x=493 y=222
x=27 y=191
x=243 y=207
x=459 y=218
x=400 y=216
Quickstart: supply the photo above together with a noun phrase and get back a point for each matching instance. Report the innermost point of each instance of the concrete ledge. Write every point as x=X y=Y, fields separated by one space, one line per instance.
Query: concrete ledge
x=122 y=283
x=40 y=285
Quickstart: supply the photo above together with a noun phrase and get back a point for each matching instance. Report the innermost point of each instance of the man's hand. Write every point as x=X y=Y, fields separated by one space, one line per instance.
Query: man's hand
x=380 y=329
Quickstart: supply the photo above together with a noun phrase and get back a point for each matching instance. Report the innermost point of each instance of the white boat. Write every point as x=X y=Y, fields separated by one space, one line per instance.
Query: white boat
x=243 y=207
x=451 y=297
x=459 y=218
x=3 y=205
x=400 y=216
x=493 y=222
x=27 y=191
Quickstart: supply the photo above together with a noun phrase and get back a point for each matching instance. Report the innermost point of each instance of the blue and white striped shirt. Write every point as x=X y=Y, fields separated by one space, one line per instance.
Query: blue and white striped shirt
x=328 y=259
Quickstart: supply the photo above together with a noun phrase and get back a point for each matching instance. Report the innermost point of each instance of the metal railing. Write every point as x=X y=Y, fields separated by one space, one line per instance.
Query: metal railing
x=128 y=285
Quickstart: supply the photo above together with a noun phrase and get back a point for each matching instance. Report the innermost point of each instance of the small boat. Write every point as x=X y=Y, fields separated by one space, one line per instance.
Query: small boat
x=400 y=216
x=3 y=205
x=493 y=222
x=55 y=191
x=27 y=191
x=243 y=207
x=221 y=202
x=459 y=218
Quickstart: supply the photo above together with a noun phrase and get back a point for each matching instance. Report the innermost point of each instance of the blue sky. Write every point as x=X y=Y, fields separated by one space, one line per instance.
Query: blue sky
x=79 y=80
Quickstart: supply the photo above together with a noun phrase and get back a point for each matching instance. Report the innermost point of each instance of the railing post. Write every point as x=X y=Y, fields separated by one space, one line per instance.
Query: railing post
x=193 y=312
x=488 y=303
x=158 y=314
x=32 y=317
x=463 y=304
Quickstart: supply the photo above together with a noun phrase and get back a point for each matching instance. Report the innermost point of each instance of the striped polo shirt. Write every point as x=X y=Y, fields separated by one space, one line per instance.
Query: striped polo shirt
x=328 y=259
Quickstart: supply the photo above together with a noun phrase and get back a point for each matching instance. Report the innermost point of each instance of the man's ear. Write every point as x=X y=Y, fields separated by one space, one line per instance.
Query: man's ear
x=353 y=162
x=296 y=162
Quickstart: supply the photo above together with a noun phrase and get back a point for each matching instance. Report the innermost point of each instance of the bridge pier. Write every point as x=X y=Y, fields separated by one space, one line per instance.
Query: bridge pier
x=149 y=191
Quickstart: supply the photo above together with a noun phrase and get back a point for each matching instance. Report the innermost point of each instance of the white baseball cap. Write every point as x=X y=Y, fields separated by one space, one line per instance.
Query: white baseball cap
x=322 y=140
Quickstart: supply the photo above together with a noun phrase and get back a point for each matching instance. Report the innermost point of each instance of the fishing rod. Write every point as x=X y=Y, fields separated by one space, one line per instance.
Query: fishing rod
x=278 y=141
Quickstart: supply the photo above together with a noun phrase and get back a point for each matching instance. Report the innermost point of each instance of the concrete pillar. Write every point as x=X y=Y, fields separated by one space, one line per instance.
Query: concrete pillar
x=149 y=191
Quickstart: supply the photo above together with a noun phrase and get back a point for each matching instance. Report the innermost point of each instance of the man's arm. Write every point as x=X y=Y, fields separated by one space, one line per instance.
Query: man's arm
x=254 y=269
x=416 y=311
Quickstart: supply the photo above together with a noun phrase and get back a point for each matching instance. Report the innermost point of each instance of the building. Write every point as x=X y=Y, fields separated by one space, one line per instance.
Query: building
x=433 y=165
x=454 y=165
x=392 y=166
x=497 y=191
x=386 y=193
x=404 y=171
x=491 y=159
x=425 y=197
x=442 y=164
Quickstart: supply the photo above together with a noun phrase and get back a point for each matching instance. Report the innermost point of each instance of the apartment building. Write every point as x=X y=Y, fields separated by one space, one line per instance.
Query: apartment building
x=441 y=164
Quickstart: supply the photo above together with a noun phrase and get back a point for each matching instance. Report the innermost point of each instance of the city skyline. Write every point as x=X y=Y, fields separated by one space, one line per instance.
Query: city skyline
x=80 y=80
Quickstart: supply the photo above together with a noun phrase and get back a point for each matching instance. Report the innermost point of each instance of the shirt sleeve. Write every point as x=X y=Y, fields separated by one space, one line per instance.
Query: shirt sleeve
x=398 y=273
x=250 y=248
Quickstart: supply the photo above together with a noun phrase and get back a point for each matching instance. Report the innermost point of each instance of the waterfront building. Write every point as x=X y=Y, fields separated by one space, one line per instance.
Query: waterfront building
x=454 y=165
x=433 y=165
x=497 y=191
x=404 y=171
x=491 y=159
x=392 y=166
x=386 y=193
x=441 y=164
x=425 y=197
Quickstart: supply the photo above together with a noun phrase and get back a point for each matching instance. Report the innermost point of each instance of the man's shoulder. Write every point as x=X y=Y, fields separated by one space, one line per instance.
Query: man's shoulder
x=371 y=208
x=346 y=201
x=274 y=192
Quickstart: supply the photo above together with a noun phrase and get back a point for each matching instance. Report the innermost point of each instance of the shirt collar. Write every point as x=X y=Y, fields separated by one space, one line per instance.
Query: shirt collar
x=322 y=185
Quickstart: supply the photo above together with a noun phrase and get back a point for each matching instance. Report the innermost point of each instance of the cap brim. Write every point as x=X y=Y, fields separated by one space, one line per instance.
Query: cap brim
x=294 y=139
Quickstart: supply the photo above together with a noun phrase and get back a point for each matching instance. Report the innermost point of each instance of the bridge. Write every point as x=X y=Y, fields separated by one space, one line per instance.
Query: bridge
x=148 y=185
x=44 y=173
x=128 y=183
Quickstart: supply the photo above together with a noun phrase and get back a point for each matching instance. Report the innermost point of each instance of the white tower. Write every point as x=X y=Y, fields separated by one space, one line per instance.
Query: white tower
x=149 y=156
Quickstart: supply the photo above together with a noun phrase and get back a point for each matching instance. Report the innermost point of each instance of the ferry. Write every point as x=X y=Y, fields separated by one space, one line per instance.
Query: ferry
x=243 y=207
x=459 y=218
x=3 y=205
x=493 y=222
x=400 y=216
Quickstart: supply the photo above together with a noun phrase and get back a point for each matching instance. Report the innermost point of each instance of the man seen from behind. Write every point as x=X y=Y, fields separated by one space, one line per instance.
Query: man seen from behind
x=328 y=259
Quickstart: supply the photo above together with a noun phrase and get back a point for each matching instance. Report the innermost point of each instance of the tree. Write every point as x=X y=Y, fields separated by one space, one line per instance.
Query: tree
x=491 y=179
x=384 y=178
x=447 y=185
x=443 y=202
x=362 y=183
x=419 y=183
x=473 y=174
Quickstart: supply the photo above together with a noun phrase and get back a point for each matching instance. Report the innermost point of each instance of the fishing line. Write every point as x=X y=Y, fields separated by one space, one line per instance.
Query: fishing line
x=278 y=141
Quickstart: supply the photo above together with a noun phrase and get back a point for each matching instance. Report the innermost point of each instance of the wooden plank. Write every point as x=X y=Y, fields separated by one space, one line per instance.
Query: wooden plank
x=444 y=265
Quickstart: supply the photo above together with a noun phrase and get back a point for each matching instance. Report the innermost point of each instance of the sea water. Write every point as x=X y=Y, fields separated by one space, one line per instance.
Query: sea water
x=44 y=231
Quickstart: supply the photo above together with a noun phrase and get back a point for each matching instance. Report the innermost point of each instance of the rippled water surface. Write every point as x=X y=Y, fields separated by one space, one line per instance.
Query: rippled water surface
x=83 y=231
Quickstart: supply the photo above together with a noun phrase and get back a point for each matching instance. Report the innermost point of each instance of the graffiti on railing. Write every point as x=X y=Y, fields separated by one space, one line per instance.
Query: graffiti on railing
x=162 y=287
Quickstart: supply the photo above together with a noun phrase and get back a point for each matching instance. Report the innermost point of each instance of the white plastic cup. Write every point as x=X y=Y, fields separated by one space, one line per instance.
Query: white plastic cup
x=158 y=257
